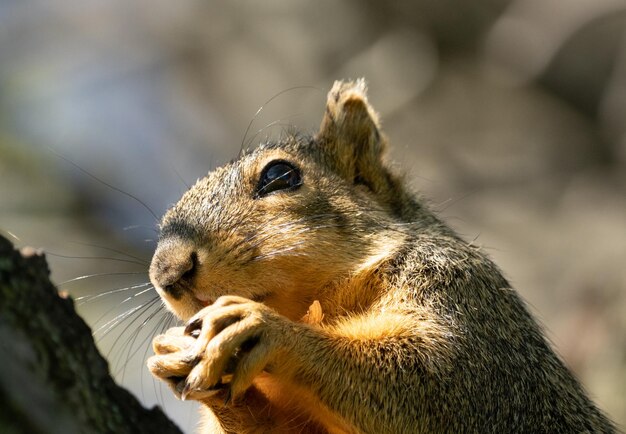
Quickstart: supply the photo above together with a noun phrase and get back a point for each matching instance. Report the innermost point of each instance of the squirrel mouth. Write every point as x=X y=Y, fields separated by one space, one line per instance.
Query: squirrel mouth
x=203 y=300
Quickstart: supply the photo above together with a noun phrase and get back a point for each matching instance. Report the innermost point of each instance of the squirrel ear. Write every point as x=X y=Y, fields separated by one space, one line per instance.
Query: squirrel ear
x=350 y=131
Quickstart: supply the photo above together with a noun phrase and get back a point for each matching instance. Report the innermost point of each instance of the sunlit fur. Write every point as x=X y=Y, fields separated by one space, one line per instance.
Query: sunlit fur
x=421 y=333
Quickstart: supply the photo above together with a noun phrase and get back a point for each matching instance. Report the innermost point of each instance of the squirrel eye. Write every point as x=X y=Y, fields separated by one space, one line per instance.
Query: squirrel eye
x=278 y=175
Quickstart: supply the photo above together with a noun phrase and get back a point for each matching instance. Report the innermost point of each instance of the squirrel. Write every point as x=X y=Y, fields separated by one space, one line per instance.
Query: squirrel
x=321 y=295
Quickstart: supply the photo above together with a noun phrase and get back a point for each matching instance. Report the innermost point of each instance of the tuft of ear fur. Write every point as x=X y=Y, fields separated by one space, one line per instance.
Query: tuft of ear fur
x=350 y=133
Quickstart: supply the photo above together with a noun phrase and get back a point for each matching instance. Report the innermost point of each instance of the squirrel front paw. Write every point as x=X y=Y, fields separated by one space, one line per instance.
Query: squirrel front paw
x=173 y=359
x=223 y=347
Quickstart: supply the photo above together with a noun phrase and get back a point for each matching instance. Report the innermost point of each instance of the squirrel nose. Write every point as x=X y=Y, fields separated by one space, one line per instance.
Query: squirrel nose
x=173 y=265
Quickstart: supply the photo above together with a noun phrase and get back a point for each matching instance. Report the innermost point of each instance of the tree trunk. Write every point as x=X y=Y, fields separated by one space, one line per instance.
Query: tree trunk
x=52 y=377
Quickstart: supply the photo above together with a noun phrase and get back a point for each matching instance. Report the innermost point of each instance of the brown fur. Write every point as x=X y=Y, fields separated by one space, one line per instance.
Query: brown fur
x=420 y=331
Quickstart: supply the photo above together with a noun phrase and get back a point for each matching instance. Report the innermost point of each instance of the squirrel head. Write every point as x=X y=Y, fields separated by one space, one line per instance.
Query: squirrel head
x=284 y=221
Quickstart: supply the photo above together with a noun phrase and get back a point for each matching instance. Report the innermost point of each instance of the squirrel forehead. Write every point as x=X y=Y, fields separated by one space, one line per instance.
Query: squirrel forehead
x=231 y=185
x=246 y=169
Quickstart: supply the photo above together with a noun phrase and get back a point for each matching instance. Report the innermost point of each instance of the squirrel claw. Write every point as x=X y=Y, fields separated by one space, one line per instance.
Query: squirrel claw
x=229 y=396
x=193 y=327
x=189 y=392
x=185 y=392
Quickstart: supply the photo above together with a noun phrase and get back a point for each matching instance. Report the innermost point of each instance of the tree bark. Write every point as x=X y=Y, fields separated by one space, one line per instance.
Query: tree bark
x=52 y=377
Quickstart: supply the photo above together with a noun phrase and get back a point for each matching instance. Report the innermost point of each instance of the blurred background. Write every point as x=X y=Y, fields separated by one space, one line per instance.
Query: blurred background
x=509 y=115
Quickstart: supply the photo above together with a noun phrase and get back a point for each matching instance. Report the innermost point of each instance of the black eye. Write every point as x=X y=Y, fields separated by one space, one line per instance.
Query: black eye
x=278 y=175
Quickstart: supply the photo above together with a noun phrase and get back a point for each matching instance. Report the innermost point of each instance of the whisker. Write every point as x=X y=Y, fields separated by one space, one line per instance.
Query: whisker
x=265 y=233
x=118 y=319
x=443 y=206
x=89 y=276
x=180 y=177
x=273 y=232
x=288 y=231
x=243 y=140
x=112 y=187
x=89 y=298
x=13 y=235
x=274 y=180
x=170 y=319
x=131 y=343
x=133 y=227
x=289 y=234
x=271 y=124
x=100 y=258
x=110 y=250
x=126 y=300
x=279 y=252
x=130 y=338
